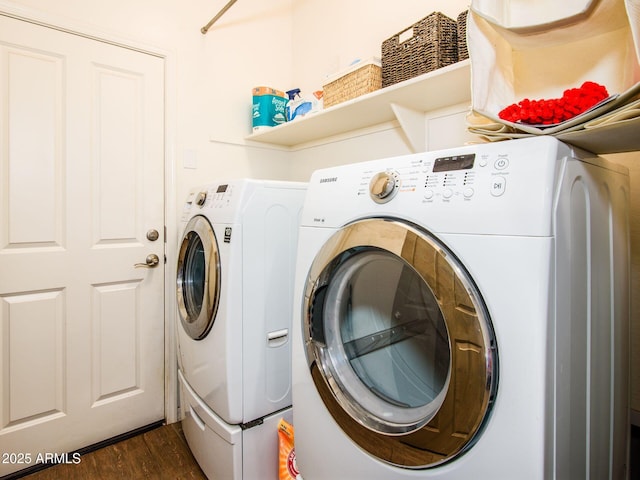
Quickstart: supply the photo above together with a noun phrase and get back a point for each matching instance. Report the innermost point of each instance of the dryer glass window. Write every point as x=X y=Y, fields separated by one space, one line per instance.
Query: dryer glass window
x=387 y=339
x=399 y=343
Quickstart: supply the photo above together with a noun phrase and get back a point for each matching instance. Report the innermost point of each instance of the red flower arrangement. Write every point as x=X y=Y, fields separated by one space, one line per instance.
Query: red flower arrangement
x=574 y=101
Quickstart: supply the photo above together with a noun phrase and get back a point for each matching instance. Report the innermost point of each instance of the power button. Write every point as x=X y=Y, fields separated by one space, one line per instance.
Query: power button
x=501 y=163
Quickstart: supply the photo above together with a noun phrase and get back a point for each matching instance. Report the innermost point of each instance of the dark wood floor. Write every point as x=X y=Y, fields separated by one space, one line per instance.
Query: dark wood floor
x=161 y=453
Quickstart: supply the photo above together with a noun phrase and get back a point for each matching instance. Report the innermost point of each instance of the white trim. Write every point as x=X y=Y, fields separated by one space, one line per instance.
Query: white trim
x=171 y=239
x=63 y=24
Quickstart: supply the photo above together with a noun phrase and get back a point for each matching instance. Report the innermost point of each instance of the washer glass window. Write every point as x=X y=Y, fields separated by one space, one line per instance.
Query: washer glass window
x=198 y=278
x=194 y=279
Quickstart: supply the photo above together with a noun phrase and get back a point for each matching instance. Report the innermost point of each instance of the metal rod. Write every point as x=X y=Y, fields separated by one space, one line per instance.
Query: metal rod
x=206 y=28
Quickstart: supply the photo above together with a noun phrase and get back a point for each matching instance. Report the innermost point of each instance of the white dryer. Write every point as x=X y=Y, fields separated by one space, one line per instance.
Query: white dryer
x=464 y=314
x=235 y=273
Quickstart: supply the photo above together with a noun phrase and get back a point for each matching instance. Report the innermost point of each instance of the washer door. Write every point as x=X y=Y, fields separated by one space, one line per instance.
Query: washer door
x=198 y=289
x=399 y=343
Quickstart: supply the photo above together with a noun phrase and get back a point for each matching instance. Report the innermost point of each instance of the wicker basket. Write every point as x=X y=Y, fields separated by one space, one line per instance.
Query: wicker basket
x=431 y=44
x=463 y=51
x=358 y=80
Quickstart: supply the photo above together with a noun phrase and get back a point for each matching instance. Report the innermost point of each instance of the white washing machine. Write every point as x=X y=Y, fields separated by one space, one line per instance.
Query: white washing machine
x=464 y=314
x=235 y=271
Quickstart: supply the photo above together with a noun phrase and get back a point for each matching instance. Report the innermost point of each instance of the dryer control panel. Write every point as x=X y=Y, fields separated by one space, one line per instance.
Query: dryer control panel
x=446 y=178
x=503 y=187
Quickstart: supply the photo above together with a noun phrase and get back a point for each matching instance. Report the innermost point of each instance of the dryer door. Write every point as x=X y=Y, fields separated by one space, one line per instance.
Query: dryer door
x=198 y=285
x=399 y=343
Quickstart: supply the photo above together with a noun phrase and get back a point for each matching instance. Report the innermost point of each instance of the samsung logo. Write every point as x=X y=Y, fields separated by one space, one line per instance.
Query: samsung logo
x=328 y=179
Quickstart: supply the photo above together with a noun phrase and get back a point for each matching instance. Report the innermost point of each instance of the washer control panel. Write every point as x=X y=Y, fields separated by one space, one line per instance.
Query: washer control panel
x=217 y=197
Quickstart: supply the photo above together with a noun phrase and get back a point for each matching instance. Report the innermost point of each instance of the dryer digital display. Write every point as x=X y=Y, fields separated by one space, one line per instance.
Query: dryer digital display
x=456 y=162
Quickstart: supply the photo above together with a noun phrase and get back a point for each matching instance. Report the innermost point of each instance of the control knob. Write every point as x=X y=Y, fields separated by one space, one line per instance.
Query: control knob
x=383 y=186
x=200 y=198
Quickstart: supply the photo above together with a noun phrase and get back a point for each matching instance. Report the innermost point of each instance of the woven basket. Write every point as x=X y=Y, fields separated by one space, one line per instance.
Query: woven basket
x=361 y=80
x=463 y=51
x=432 y=44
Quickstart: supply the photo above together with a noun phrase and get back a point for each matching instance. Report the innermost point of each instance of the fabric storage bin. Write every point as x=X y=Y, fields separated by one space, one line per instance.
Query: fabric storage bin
x=527 y=16
x=541 y=60
x=361 y=78
x=427 y=45
x=531 y=52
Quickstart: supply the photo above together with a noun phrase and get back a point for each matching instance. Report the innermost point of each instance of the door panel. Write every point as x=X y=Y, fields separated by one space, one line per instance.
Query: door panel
x=34 y=318
x=32 y=88
x=81 y=182
x=115 y=341
x=117 y=156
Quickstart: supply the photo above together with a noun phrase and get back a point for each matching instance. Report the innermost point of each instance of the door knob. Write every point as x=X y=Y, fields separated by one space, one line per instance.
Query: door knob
x=151 y=261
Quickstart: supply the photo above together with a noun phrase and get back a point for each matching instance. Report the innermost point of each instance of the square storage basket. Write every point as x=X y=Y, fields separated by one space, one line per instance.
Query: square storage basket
x=360 y=79
x=463 y=51
x=427 y=45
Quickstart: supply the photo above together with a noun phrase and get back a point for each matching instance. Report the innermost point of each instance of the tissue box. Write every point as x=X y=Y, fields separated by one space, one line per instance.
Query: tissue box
x=426 y=45
x=268 y=108
x=360 y=78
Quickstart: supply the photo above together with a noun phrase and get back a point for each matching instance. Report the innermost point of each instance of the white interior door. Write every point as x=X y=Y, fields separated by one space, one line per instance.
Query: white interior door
x=81 y=184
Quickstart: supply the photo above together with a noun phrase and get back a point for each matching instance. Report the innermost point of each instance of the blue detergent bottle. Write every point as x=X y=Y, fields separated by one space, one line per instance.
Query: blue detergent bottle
x=297 y=106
